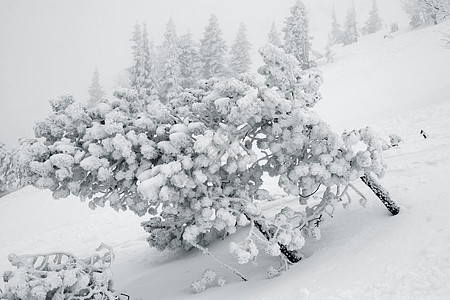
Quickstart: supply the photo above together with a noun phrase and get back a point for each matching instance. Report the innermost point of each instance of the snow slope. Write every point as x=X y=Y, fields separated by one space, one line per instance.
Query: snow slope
x=386 y=76
x=399 y=85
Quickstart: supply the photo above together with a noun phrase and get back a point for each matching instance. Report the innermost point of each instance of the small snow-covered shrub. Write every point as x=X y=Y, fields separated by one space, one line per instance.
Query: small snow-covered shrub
x=209 y=279
x=12 y=175
x=395 y=139
x=394 y=27
x=5 y=169
x=196 y=164
x=60 y=275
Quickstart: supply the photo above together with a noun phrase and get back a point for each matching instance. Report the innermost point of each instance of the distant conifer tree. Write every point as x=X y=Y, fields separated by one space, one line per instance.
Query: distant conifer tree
x=296 y=35
x=350 y=28
x=189 y=60
x=374 y=22
x=142 y=72
x=336 y=35
x=274 y=36
x=240 y=59
x=170 y=84
x=213 y=50
x=96 y=92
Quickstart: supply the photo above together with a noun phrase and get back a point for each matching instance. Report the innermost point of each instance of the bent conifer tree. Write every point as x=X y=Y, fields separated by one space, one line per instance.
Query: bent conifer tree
x=195 y=165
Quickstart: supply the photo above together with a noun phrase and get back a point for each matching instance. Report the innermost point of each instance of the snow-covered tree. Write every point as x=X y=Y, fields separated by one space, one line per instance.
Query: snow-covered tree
x=296 y=35
x=136 y=70
x=96 y=92
x=394 y=27
x=150 y=83
x=374 y=22
x=6 y=169
x=197 y=168
x=426 y=11
x=170 y=84
x=213 y=50
x=274 y=36
x=189 y=60
x=13 y=169
x=329 y=54
x=142 y=72
x=239 y=58
x=336 y=34
x=350 y=35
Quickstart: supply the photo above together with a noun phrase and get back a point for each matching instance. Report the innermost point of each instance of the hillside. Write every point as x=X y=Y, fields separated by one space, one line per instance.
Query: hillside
x=396 y=85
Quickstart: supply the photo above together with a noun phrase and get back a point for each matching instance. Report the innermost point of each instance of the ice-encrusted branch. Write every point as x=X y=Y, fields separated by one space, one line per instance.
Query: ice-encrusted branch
x=221 y=263
x=60 y=275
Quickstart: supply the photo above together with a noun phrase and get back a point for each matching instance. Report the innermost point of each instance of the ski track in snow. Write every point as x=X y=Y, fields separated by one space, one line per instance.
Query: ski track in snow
x=399 y=85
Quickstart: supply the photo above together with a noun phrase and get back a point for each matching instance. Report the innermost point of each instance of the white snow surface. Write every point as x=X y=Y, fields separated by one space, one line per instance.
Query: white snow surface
x=396 y=85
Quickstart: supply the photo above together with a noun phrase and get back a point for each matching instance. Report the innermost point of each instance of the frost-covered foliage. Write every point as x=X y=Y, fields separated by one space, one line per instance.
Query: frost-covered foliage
x=213 y=50
x=12 y=175
x=426 y=11
x=350 y=35
x=6 y=170
x=196 y=165
x=97 y=153
x=96 y=93
x=296 y=35
x=60 y=275
x=240 y=59
x=394 y=139
x=374 y=22
x=274 y=36
x=283 y=73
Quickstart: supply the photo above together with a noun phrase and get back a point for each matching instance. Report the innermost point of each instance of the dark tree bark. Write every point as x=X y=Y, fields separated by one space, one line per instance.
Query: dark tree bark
x=381 y=193
x=290 y=255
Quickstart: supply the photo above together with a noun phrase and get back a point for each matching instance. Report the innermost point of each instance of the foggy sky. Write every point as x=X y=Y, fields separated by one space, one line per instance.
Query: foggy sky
x=52 y=47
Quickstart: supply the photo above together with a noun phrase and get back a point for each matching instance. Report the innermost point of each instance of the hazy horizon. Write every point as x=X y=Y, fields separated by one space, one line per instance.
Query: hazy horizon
x=52 y=47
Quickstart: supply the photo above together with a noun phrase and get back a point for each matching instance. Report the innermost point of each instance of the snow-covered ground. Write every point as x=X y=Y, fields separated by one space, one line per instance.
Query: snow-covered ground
x=396 y=85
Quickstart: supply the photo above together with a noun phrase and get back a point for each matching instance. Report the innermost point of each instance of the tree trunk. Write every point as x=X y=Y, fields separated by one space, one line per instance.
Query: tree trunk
x=290 y=255
x=381 y=193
